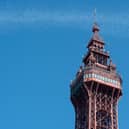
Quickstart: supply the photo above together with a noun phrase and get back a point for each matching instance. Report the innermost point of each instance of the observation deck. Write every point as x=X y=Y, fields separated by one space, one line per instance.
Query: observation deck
x=103 y=76
x=99 y=75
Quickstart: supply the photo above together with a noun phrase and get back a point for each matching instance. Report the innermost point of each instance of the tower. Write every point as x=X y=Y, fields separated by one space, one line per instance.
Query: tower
x=96 y=89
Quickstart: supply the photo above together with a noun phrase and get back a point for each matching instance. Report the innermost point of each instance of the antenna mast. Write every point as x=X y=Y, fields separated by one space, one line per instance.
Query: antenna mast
x=94 y=15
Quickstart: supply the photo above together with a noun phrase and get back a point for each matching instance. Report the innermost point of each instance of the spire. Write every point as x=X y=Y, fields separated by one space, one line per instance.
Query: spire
x=95 y=31
x=96 y=39
x=95 y=26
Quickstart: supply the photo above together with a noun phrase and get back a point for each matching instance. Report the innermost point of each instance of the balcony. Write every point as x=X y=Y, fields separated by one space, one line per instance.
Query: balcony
x=104 y=76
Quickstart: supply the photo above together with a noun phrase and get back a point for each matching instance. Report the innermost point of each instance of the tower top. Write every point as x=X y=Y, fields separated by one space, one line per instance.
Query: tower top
x=96 y=38
x=95 y=27
x=96 y=35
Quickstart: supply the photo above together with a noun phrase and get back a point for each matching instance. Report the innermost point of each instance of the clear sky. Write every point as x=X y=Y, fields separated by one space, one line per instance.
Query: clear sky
x=41 y=47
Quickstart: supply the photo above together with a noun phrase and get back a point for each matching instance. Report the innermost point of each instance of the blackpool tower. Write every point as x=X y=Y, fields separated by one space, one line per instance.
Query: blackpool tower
x=97 y=87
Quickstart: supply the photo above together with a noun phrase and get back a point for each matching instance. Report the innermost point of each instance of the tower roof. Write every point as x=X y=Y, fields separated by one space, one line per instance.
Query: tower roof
x=96 y=37
x=95 y=27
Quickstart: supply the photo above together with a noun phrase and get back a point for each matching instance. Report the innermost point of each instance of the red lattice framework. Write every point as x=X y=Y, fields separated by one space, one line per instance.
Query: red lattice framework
x=96 y=107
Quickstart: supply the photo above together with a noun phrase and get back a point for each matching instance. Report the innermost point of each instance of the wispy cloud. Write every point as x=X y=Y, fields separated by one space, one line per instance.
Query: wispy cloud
x=31 y=16
x=42 y=16
x=117 y=21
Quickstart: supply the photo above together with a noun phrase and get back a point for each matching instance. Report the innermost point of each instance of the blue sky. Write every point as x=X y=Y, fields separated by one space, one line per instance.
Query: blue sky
x=41 y=48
